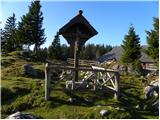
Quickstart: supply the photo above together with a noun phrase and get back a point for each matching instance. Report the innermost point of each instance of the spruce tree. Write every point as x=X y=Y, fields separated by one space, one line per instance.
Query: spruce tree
x=9 y=35
x=153 y=41
x=24 y=32
x=54 y=51
x=30 y=30
x=36 y=19
x=131 y=46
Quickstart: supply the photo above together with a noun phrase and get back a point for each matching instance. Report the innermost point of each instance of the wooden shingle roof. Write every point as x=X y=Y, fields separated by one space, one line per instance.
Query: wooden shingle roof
x=117 y=52
x=87 y=31
x=79 y=19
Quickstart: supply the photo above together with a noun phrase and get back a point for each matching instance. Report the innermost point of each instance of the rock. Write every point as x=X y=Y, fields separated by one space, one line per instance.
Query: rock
x=19 y=115
x=104 y=112
x=14 y=116
x=68 y=84
x=99 y=105
x=78 y=85
x=152 y=89
x=28 y=70
x=72 y=100
x=118 y=108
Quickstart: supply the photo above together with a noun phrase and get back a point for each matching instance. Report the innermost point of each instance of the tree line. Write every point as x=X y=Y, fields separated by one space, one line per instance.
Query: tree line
x=29 y=31
x=88 y=52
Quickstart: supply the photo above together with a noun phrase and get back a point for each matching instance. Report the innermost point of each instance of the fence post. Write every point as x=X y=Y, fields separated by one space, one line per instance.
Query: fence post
x=47 y=82
x=73 y=79
x=117 y=78
x=95 y=81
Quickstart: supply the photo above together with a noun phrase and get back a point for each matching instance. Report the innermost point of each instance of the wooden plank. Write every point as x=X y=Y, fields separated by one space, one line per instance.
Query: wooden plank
x=70 y=59
x=111 y=88
x=97 y=68
x=111 y=80
x=108 y=80
x=81 y=68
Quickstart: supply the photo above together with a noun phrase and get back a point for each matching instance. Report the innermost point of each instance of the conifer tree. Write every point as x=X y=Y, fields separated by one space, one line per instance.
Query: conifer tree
x=24 y=32
x=30 y=29
x=54 y=51
x=9 y=35
x=36 y=19
x=153 y=41
x=131 y=46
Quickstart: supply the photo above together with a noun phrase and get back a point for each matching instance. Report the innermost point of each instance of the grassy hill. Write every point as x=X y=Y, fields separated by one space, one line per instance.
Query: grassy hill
x=21 y=93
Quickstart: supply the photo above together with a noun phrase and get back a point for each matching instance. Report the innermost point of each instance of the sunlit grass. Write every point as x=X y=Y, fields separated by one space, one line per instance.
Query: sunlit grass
x=23 y=94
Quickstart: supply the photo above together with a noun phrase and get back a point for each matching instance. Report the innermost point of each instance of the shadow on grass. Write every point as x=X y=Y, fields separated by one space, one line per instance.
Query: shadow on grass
x=130 y=100
x=79 y=98
x=8 y=96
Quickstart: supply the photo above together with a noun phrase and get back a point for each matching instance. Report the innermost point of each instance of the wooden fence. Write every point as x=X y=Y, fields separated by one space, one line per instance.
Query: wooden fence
x=100 y=77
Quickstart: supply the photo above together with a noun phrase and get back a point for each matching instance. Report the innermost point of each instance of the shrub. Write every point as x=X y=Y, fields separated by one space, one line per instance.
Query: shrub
x=6 y=94
x=20 y=90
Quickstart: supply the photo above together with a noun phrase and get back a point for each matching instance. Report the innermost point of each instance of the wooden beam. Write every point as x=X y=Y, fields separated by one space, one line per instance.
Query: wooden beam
x=111 y=79
x=83 y=69
x=108 y=80
x=111 y=88
x=70 y=59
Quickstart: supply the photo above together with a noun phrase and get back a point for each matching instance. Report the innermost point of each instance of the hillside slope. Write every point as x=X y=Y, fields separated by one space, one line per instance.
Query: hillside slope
x=22 y=93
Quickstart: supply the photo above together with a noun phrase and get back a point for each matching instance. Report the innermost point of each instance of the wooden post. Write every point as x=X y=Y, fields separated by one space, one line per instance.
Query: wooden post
x=95 y=81
x=76 y=54
x=117 y=78
x=47 y=82
x=75 y=64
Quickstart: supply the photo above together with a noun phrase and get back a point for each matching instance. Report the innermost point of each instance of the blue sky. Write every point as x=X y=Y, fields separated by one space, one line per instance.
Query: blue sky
x=110 y=19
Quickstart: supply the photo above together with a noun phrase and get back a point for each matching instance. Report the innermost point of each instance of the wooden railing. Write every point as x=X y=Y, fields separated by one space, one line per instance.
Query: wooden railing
x=82 y=62
x=96 y=74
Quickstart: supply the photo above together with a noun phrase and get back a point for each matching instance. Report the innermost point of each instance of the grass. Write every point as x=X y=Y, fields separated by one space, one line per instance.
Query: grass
x=21 y=93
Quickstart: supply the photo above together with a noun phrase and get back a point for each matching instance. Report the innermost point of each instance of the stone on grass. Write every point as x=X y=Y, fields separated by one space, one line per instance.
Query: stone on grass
x=68 y=84
x=72 y=100
x=78 y=85
x=118 y=108
x=20 y=115
x=104 y=112
x=29 y=70
x=152 y=89
x=99 y=105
